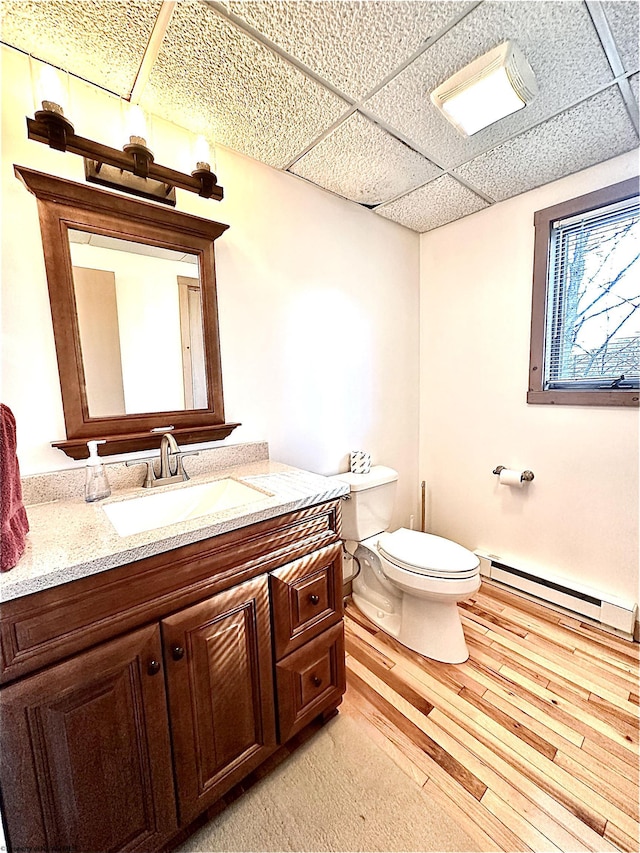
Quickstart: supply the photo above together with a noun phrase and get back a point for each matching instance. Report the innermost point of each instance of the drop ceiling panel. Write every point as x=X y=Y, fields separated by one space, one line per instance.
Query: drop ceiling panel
x=567 y=143
x=101 y=42
x=623 y=18
x=364 y=163
x=213 y=78
x=353 y=45
x=435 y=204
x=559 y=41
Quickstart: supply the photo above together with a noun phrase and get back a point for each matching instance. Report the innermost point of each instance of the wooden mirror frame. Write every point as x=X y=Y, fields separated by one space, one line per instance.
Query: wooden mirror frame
x=63 y=205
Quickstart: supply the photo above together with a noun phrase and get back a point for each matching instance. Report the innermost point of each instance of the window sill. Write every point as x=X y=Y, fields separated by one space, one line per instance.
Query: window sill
x=585 y=398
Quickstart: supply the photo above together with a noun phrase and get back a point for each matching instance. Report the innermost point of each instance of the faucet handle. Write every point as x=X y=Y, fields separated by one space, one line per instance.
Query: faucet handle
x=180 y=472
x=150 y=475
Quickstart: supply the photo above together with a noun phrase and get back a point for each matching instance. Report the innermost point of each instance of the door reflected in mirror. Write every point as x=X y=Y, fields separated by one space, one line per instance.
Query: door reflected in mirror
x=140 y=323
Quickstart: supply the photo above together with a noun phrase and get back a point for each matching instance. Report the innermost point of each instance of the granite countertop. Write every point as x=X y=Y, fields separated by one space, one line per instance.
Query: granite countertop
x=70 y=539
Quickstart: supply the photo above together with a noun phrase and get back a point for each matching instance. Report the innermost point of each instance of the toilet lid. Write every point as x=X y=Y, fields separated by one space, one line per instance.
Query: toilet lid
x=427 y=554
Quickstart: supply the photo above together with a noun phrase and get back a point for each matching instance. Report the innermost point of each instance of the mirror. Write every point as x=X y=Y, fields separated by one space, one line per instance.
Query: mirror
x=134 y=310
x=140 y=323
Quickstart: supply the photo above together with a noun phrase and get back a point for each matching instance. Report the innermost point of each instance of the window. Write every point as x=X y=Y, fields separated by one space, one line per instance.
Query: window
x=585 y=325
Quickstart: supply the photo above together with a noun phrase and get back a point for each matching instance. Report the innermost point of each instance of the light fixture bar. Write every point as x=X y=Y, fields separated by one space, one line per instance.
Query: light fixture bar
x=58 y=133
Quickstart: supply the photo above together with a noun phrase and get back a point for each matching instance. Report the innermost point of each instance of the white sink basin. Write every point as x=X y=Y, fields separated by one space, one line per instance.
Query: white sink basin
x=159 y=510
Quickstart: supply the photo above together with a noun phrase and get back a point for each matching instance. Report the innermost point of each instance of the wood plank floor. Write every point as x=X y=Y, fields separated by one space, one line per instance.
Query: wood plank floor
x=532 y=744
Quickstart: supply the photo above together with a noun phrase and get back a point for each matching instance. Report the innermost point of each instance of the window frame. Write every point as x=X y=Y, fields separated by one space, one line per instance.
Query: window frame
x=543 y=221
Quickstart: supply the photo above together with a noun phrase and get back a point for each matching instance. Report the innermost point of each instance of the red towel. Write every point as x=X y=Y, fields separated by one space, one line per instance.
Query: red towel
x=13 y=516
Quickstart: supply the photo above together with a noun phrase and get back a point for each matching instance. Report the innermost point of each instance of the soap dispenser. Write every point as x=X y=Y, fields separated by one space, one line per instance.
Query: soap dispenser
x=97 y=485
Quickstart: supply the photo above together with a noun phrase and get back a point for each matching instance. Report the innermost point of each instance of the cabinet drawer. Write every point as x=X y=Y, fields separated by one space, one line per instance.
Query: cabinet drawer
x=306 y=597
x=310 y=680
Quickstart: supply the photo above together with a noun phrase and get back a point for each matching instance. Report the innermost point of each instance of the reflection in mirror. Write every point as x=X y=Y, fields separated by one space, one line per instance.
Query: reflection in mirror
x=139 y=313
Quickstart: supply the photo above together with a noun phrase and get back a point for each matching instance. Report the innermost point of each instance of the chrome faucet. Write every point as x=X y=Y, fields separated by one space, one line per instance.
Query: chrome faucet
x=168 y=447
x=171 y=466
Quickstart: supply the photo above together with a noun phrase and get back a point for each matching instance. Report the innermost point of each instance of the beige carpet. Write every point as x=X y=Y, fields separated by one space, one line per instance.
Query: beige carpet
x=338 y=791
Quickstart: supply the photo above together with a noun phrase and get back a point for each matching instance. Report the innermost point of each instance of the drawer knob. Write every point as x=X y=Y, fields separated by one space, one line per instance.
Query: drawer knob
x=316 y=681
x=313 y=598
x=153 y=667
x=177 y=652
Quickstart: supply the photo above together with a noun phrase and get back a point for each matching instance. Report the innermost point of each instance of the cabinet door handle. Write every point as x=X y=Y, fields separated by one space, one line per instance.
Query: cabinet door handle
x=316 y=681
x=177 y=652
x=153 y=667
x=313 y=598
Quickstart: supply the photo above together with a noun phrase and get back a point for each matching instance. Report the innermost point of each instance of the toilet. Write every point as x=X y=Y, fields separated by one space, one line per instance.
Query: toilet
x=408 y=583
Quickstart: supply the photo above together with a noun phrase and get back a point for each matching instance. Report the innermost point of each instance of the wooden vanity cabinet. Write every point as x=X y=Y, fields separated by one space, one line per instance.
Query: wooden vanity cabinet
x=136 y=698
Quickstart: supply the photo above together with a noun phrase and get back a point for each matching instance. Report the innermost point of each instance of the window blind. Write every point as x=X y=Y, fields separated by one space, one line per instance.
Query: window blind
x=593 y=299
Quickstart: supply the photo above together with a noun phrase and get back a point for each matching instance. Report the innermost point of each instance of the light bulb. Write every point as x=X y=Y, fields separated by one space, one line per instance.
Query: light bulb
x=201 y=153
x=136 y=124
x=52 y=89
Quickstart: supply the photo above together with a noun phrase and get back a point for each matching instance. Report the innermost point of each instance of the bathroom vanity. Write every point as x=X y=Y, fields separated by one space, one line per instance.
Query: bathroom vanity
x=147 y=670
x=134 y=698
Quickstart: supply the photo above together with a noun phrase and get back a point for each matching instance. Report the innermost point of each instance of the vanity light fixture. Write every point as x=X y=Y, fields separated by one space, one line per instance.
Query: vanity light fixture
x=137 y=145
x=132 y=169
x=51 y=92
x=203 y=168
x=493 y=86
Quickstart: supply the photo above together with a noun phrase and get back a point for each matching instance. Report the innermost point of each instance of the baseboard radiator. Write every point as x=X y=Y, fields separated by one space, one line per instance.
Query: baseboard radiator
x=606 y=609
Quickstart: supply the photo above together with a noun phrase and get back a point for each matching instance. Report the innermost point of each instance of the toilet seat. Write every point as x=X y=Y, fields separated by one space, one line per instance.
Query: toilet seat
x=428 y=555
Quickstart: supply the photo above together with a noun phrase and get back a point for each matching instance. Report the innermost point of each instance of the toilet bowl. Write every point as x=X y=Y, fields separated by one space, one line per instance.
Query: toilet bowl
x=409 y=583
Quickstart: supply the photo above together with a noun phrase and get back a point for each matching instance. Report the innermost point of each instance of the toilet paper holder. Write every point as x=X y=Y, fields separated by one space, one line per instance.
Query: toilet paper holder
x=527 y=476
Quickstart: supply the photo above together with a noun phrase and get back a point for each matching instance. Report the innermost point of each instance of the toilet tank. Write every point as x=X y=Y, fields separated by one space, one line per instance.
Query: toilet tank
x=370 y=506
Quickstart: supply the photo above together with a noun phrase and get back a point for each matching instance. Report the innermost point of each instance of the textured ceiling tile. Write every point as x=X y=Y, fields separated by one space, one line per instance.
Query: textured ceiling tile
x=435 y=204
x=362 y=162
x=215 y=80
x=595 y=130
x=103 y=42
x=623 y=18
x=353 y=45
x=559 y=41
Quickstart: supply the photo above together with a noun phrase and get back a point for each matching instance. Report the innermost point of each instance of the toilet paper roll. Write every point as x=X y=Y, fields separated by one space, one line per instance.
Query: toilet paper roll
x=360 y=462
x=509 y=477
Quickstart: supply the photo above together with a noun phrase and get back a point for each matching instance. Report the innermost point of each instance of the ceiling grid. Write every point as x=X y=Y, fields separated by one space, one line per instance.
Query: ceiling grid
x=603 y=28
x=338 y=92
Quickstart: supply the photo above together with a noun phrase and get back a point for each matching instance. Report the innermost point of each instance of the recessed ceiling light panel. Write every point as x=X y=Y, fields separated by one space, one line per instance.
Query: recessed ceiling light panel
x=491 y=87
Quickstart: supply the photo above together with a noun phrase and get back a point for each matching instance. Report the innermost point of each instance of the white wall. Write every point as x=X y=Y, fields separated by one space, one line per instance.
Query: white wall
x=579 y=517
x=318 y=303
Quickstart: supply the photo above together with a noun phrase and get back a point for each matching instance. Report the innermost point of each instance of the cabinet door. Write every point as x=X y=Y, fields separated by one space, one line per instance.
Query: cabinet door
x=220 y=681
x=86 y=757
